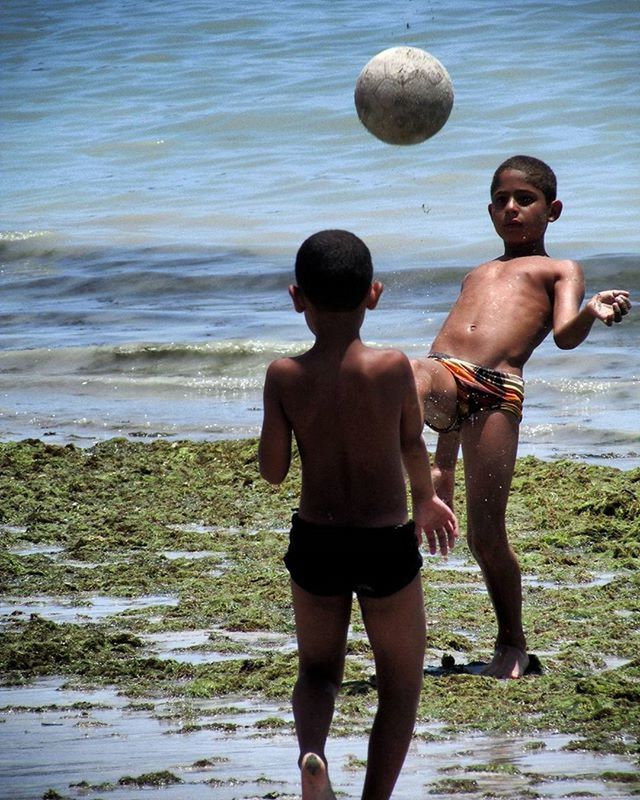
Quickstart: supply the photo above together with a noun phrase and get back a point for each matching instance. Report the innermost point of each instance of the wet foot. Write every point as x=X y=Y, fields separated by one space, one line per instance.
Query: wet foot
x=315 y=779
x=507 y=662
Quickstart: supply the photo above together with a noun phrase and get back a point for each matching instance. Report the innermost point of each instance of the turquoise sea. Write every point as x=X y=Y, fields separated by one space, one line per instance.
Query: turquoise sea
x=161 y=163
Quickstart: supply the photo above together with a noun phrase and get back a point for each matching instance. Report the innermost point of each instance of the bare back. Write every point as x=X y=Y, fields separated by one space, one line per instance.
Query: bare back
x=506 y=308
x=345 y=409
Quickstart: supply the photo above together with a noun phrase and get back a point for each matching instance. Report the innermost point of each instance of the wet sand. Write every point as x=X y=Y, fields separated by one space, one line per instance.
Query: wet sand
x=86 y=743
x=147 y=646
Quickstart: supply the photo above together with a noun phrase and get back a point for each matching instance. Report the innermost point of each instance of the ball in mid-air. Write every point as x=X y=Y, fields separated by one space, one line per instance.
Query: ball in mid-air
x=403 y=95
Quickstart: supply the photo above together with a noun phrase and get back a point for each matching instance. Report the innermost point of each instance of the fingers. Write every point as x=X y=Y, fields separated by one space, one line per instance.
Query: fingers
x=442 y=539
x=612 y=305
x=621 y=305
x=452 y=535
x=622 y=293
x=431 y=542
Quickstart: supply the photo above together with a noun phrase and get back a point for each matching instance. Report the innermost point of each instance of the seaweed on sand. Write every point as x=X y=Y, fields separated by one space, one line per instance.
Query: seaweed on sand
x=126 y=518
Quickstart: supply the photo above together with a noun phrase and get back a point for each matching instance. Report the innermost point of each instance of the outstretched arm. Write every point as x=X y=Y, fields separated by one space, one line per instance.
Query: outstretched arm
x=274 y=450
x=571 y=324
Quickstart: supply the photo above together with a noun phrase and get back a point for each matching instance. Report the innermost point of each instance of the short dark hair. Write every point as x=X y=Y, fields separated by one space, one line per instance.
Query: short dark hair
x=334 y=270
x=538 y=174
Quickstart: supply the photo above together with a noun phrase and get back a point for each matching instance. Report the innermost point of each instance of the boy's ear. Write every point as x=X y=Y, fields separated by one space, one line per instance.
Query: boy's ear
x=295 y=293
x=555 y=209
x=374 y=294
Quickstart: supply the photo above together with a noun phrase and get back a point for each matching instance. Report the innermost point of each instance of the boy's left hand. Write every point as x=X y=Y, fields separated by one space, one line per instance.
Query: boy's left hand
x=610 y=306
x=439 y=524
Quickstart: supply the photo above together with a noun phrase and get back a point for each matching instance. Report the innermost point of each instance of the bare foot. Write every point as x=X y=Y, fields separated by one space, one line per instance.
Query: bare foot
x=315 y=779
x=507 y=662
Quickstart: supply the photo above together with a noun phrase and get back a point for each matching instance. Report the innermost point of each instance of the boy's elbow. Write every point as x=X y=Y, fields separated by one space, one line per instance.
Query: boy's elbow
x=566 y=342
x=414 y=448
x=274 y=457
x=272 y=476
x=564 y=345
x=273 y=471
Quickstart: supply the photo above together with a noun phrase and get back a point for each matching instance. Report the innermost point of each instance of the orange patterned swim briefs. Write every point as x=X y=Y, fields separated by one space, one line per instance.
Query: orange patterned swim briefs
x=481 y=389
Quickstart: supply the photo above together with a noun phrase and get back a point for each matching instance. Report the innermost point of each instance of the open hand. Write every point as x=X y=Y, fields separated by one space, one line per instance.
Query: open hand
x=610 y=306
x=439 y=523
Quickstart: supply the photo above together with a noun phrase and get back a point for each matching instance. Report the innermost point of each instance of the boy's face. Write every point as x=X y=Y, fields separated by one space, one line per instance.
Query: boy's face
x=519 y=211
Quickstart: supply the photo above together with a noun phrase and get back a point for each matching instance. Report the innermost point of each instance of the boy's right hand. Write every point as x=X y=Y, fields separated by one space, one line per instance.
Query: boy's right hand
x=439 y=524
x=610 y=306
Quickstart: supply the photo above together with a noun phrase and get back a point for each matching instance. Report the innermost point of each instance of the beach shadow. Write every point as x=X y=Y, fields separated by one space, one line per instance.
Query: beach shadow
x=448 y=666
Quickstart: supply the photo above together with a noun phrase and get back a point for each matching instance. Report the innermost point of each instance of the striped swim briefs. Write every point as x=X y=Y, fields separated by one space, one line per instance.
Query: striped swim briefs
x=481 y=389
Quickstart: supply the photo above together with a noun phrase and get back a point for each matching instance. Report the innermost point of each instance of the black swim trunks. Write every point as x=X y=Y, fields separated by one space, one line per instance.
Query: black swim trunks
x=372 y=562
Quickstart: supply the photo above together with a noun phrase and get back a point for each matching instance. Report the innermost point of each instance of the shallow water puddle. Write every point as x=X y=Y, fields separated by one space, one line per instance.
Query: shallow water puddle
x=186 y=647
x=57 y=743
x=35 y=550
x=227 y=749
x=601 y=579
x=207 y=646
x=91 y=608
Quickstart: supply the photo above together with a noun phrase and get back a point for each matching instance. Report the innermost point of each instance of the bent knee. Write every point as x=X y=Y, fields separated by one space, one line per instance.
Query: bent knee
x=488 y=545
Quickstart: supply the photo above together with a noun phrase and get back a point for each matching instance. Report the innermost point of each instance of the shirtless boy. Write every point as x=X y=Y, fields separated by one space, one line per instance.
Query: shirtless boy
x=471 y=382
x=356 y=418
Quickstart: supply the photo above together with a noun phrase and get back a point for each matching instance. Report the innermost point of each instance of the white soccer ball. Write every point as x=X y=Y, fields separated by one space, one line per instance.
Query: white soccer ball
x=403 y=95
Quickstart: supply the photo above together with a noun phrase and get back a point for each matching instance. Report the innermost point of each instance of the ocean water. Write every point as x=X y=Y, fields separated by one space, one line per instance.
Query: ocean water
x=161 y=163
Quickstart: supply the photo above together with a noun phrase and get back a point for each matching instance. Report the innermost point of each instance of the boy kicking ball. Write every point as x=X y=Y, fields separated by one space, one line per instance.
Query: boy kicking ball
x=471 y=383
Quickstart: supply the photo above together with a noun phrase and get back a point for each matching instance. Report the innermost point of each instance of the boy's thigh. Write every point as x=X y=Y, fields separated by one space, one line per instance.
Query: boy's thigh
x=322 y=624
x=396 y=626
x=489 y=442
x=438 y=392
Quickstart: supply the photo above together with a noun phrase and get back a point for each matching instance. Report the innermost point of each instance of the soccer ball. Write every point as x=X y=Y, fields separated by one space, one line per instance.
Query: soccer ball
x=403 y=95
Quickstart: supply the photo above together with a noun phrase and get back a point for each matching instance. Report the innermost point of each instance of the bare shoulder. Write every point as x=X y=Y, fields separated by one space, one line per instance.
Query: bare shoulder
x=282 y=369
x=388 y=360
x=547 y=270
x=280 y=366
x=566 y=268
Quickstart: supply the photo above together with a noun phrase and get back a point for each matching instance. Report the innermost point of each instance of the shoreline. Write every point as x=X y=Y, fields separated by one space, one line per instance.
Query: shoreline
x=153 y=570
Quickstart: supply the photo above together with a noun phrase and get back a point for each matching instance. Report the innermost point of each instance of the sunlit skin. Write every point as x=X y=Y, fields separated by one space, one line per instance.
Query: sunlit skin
x=505 y=309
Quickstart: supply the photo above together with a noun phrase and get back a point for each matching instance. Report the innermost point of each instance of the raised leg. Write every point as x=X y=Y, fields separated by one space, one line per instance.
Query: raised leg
x=437 y=392
x=489 y=447
x=439 y=397
x=397 y=632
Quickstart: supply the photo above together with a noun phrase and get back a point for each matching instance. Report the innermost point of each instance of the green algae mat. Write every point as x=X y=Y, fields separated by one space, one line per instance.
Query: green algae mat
x=191 y=527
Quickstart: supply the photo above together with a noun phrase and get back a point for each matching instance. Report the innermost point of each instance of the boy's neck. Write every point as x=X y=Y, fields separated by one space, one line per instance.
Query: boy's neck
x=336 y=331
x=536 y=248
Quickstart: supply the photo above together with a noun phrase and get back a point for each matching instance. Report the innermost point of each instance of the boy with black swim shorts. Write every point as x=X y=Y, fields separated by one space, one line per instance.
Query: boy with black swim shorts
x=471 y=383
x=357 y=421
